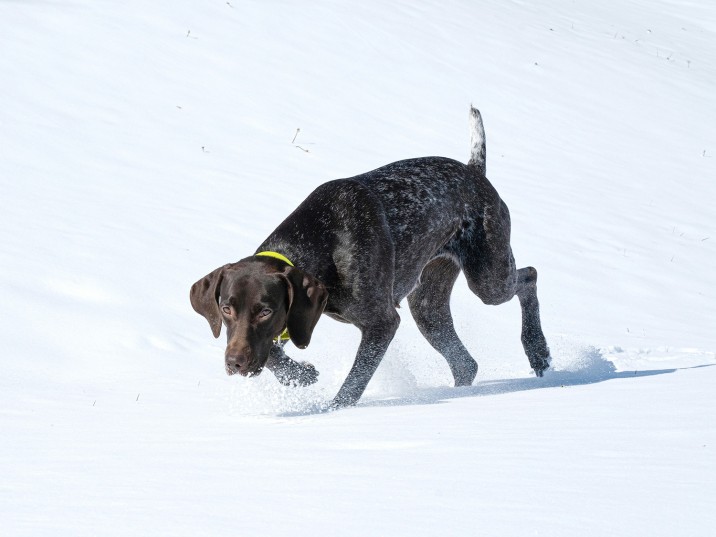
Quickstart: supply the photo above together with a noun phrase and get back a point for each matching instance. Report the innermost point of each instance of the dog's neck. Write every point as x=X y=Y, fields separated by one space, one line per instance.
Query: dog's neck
x=283 y=337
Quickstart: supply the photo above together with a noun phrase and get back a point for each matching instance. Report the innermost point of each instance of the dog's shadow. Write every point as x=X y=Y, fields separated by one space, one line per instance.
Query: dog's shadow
x=594 y=368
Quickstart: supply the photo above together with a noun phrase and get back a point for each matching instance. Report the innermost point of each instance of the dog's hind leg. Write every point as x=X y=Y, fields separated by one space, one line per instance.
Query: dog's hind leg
x=533 y=339
x=430 y=305
x=489 y=267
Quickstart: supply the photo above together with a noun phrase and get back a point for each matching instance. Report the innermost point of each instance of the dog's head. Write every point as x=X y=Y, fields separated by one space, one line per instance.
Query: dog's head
x=257 y=298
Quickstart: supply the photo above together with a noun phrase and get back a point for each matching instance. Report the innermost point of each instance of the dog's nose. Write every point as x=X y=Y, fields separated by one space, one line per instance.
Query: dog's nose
x=235 y=362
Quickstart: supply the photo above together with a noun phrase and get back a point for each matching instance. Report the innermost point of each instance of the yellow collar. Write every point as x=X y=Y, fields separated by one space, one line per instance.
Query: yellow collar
x=283 y=337
x=275 y=255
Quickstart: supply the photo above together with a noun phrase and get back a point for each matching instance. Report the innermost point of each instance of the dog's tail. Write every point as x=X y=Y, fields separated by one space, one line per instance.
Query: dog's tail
x=477 y=141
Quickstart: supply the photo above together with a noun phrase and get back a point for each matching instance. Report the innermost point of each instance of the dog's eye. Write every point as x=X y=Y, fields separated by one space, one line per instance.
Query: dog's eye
x=226 y=310
x=265 y=313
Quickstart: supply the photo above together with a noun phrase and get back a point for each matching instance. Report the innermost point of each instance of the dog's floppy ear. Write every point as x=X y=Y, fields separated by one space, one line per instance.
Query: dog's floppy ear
x=307 y=299
x=204 y=297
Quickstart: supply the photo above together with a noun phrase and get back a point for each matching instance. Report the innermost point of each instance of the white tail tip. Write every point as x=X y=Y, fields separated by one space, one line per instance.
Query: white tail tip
x=477 y=141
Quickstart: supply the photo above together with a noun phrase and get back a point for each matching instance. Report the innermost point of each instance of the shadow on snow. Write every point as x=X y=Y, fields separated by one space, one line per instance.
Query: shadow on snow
x=591 y=368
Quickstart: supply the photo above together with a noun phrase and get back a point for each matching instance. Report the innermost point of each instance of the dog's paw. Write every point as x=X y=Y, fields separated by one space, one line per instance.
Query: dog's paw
x=540 y=364
x=308 y=374
x=337 y=404
x=464 y=372
x=297 y=374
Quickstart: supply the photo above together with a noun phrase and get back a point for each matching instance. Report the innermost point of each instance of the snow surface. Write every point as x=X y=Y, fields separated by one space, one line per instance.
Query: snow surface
x=143 y=144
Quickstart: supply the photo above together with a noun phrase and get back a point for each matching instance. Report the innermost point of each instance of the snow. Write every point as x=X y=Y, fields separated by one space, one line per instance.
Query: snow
x=143 y=144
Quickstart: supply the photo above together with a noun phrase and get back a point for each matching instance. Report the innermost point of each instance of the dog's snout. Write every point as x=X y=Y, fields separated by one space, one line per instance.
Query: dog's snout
x=236 y=363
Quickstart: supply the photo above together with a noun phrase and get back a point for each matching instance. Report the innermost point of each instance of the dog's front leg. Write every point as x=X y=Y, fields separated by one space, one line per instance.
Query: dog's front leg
x=289 y=372
x=374 y=343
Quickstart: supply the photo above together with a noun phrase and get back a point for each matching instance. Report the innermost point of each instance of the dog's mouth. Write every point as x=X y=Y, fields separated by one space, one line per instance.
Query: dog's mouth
x=252 y=369
x=248 y=372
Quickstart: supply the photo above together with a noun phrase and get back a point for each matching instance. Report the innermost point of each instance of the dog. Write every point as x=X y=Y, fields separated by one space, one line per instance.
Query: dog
x=354 y=249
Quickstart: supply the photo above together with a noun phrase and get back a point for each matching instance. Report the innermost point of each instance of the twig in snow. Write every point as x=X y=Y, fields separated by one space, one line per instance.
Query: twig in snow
x=298 y=146
x=137 y=399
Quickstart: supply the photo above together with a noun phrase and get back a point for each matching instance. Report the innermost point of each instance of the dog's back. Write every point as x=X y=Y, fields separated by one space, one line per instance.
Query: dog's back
x=428 y=201
x=409 y=212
